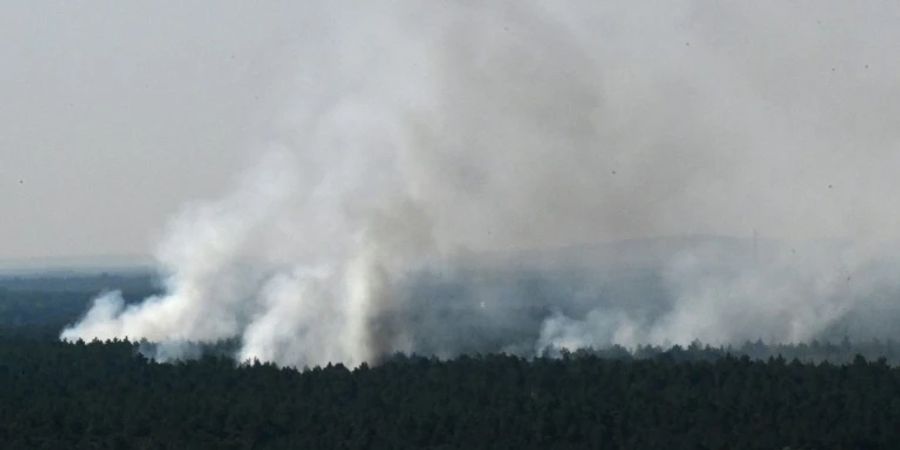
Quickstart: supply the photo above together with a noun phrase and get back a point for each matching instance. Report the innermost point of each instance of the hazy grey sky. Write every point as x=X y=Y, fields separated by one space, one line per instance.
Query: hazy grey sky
x=115 y=113
x=731 y=116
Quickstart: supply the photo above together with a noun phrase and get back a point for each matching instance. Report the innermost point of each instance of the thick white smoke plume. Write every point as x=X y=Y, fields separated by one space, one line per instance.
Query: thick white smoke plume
x=448 y=171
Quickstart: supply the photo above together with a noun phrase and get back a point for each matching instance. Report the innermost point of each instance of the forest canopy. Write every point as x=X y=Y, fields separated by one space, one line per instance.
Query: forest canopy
x=814 y=395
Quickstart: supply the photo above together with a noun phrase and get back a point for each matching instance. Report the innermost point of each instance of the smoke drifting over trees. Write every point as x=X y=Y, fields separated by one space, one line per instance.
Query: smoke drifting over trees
x=448 y=171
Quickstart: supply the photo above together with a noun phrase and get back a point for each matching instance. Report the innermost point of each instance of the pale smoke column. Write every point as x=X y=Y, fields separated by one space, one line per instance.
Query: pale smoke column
x=210 y=289
x=443 y=162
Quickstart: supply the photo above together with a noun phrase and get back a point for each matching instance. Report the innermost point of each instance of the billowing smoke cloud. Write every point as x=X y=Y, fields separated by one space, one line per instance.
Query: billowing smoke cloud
x=494 y=176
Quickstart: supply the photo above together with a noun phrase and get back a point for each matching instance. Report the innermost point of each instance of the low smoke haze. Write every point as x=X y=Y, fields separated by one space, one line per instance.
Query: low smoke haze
x=337 y=182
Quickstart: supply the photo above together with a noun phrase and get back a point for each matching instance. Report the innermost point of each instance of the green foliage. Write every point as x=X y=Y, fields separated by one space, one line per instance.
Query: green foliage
x=106 y=395
x=97 y=395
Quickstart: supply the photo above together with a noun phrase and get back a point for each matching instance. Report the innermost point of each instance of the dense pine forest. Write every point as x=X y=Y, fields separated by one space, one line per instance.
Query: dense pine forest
x=108 y=395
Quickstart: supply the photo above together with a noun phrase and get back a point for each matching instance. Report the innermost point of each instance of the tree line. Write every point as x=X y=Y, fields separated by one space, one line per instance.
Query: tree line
x=107 y=395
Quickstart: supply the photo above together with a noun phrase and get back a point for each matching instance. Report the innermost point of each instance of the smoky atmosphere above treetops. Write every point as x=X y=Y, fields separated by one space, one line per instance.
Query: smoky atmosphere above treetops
x=460 y=177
